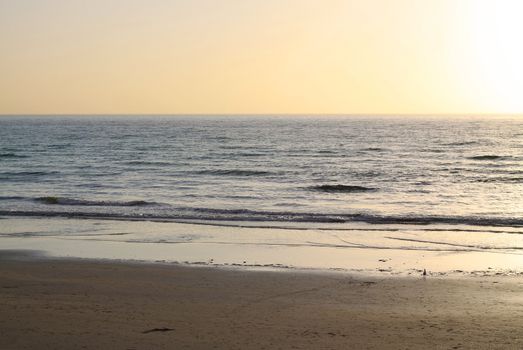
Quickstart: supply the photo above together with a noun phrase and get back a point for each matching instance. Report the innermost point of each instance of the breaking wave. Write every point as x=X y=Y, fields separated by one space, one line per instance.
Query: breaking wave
x=163 y=212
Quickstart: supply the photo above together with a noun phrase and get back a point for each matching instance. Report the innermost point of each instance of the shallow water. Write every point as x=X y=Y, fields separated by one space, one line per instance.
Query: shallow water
x=394 y=250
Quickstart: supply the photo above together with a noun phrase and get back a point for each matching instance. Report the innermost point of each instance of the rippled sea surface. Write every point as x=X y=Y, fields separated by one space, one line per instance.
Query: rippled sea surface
x=276 y=170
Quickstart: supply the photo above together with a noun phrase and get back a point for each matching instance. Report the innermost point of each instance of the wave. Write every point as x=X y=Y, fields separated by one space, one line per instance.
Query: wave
x=27 y=173
x=374 y=149
x=26 y=176
x=501 y=179
x=342 y=188
x=489 y=157
x=147 y=162
x=70 y=201
x=11 y=197
x=60 y=146
x=464 y=143
x=249 y=154
x=434 y=150
x=234 y=172
x=196 y=215
x=12 y=155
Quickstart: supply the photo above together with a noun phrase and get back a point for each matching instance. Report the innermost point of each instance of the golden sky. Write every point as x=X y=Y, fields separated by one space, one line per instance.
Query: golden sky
x=261 y=56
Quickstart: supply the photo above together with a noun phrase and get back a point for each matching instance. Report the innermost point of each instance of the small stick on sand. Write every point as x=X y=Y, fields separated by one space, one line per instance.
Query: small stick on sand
x=165 y=329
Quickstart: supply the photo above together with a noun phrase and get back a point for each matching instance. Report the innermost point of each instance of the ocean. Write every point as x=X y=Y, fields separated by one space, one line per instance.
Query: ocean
x=455 y=174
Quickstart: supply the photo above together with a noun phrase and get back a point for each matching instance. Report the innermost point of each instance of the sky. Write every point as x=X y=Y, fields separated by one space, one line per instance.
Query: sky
x=261 y=56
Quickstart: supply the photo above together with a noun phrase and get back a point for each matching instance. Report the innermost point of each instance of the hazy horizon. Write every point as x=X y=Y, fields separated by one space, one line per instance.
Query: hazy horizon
x=273 y=115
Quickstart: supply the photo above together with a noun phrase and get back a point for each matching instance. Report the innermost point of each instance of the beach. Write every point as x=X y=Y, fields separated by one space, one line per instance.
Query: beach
x=178 y=232
x=92 y=304
x=260 y=174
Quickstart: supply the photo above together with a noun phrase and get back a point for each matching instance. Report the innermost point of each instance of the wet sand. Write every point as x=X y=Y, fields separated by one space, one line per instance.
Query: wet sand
x=75 y=304
x=397 y=250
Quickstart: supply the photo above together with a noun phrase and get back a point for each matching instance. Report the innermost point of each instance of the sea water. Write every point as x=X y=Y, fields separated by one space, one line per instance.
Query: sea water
x=458 y=174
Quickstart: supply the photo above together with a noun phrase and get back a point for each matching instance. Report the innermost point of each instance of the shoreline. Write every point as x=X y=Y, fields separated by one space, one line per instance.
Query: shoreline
x=395 y=250
x=29 y=255
x=70 y=303
x=392 y=250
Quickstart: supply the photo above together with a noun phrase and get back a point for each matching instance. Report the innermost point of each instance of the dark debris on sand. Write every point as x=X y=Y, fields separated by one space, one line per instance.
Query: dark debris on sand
x=164 y=329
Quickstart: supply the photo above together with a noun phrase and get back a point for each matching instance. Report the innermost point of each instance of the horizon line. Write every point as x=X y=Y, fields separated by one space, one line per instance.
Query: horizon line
x=266 y=114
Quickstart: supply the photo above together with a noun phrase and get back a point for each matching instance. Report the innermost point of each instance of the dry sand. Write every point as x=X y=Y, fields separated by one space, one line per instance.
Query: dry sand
x=67 y=304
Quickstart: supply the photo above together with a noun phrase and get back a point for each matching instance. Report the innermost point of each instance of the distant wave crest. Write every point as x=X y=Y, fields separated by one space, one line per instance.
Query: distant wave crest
x=234 y=172
x=12 y=155
x=488 y=157
x=501 y=179
x=8 y=174
x=462 y=143
x=342 y=188
x=70 y=201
